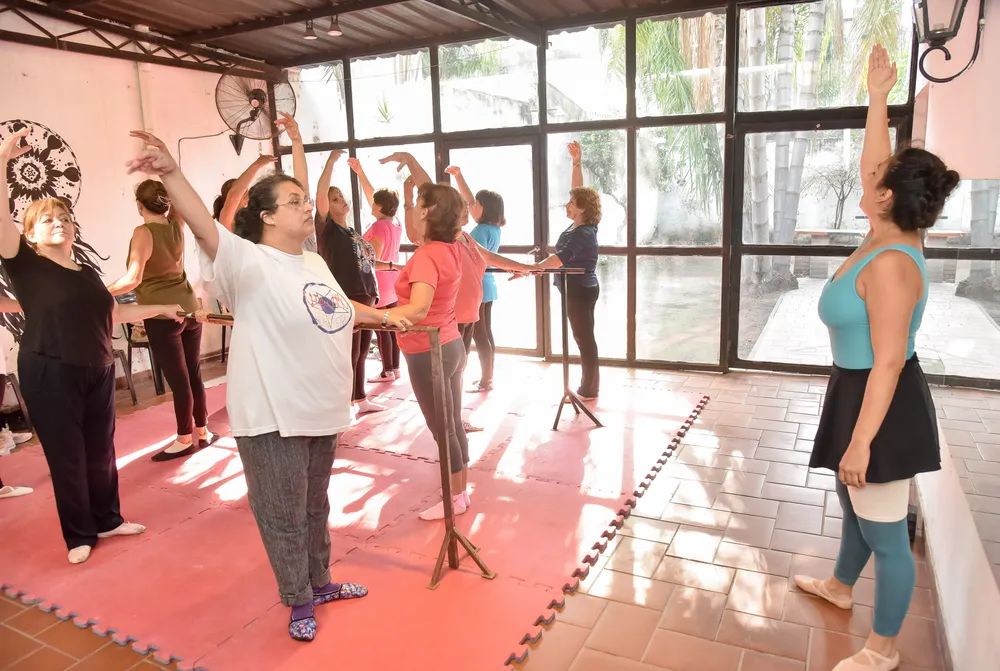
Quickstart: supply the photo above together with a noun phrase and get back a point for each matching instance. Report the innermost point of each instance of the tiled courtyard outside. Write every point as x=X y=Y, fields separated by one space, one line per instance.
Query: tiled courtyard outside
x=957 y=337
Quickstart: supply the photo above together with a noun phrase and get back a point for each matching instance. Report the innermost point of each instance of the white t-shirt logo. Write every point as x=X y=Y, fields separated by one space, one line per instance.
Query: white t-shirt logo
x=330 y=311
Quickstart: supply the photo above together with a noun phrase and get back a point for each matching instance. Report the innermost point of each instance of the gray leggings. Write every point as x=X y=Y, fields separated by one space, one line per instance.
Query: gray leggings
x=418 y=367
x=287 y=482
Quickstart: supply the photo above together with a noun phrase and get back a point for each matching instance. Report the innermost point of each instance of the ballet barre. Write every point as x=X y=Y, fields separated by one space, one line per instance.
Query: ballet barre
x=442 y=411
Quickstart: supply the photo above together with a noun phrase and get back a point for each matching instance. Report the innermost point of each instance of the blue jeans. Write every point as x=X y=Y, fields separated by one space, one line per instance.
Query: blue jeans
x=895 y=573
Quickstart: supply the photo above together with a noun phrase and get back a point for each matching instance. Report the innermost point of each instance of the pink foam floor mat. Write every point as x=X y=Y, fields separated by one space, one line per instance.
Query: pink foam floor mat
x=197 y=586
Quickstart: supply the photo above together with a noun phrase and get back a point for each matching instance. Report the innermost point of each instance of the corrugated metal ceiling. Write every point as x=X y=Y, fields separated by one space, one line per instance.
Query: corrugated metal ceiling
x=380 y=25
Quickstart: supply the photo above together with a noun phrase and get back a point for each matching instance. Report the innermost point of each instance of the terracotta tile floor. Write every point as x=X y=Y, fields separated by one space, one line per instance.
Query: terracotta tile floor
x=700 y=576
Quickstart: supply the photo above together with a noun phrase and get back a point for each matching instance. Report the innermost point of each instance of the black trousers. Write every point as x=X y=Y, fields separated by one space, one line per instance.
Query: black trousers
x=360 y=346
x=177 y=349
x=388 y=347
x=580 y=303
x=73 y=410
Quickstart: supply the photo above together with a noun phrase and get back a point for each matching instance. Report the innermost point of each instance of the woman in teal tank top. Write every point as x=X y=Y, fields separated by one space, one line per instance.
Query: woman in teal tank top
x=878 y=428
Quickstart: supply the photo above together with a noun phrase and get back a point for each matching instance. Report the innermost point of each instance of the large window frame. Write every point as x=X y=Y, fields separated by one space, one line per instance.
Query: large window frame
x=737 y=125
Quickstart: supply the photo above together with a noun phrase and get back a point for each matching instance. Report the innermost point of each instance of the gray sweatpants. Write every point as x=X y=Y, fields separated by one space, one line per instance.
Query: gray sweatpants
x=418 y=367
x=287 y=481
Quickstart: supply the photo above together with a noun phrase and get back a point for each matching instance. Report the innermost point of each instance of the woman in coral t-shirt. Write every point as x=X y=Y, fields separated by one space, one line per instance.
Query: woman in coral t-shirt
x=426 y=289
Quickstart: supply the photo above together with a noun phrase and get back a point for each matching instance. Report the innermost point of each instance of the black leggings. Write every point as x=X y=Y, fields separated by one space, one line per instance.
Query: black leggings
x=177 y=349
x=453 y=363
x=360 y=345
x=388 y=347
x=73 y=410
x=580 y=304
x=482 y=332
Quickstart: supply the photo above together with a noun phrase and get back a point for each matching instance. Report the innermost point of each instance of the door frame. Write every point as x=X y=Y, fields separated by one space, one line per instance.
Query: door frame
x=540 y=228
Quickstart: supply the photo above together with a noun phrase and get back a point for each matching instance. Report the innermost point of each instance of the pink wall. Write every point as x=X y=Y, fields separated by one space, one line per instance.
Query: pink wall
x=961 y=115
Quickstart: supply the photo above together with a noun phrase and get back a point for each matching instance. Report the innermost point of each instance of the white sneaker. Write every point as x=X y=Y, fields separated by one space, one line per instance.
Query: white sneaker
x=365 y=406
x=6 y=442
x=21 y=437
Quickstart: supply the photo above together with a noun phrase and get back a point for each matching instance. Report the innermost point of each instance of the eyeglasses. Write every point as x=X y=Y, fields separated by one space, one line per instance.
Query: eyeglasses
x=308 y=202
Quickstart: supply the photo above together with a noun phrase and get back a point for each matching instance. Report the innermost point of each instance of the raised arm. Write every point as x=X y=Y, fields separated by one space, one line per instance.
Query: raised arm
x=576 y=154
x=406 y=160
x=323 y=185
x=139 y=252
x=414 y=232
x=154 y=159
x=239 y=189
x=877 y=147
x=366 y=184
x=300 y=169
x=891 y=285
x=475 y=207
x=10 y=236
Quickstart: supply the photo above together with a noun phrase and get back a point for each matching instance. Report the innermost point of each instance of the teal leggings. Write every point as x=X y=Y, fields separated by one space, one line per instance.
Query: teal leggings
x=895 y=573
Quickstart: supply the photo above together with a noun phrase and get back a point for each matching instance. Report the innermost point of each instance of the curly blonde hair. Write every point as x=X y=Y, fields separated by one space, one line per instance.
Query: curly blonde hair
x=589 y=201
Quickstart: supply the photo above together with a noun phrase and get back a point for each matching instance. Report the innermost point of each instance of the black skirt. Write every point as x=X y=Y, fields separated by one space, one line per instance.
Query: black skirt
x=906 y=443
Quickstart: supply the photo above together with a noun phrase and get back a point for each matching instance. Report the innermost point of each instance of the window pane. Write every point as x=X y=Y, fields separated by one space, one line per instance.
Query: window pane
x=680 y=65
x=514 y=313
x=610 y=315
x=603 y=169
x=779 y=320
x=489 y=84
x=386 y=177
x=678 y=317
x=341 y=177
x=515 y=182
x=804 y=188
x=679 y=185
x=815 y=54
x=599 y=54
x=969 y=218
x=321 y=110
x=960 y=333
x=392 y=95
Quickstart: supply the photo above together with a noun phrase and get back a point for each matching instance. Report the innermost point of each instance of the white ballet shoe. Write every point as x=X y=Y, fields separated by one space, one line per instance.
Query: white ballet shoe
x=818 y=588
x=869 y=660
x=123 y=529
x=436 y=512
x=10 y=491
x=79 y=554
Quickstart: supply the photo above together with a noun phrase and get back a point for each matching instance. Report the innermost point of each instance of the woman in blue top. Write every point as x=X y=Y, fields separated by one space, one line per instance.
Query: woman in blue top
x=486 y=209
x=878 y=427
x=577 y=248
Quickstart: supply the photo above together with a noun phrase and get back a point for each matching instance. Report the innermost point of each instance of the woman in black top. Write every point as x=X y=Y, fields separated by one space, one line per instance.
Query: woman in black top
x=351 y=259
x=66 y=366
x=577 y=248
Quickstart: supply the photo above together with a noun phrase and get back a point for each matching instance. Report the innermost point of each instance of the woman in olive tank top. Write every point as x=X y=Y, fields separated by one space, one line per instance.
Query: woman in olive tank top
x=156 y=273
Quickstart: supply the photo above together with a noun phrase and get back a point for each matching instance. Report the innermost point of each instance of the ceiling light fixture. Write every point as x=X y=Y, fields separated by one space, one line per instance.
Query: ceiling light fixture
x=334 y=30
x=310 y=34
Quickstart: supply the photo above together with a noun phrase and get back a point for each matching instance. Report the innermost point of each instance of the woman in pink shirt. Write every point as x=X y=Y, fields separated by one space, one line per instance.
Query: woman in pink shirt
x=426 y=289
x=384 y=235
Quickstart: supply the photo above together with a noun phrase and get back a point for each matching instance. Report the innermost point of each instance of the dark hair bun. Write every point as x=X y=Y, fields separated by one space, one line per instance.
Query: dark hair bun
x=921 y=184
x=247 y=224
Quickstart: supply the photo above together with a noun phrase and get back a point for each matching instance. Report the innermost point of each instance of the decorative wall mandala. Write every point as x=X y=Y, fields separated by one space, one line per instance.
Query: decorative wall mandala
x=49 y=170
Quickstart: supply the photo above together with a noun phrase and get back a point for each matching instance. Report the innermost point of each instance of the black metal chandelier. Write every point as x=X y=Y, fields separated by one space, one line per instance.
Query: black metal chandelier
x=937 y=25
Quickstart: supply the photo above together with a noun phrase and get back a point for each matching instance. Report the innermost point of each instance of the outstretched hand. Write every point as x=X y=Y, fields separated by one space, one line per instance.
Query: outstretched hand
x=288 y=124
x=11 y=147
x=575 y=152
x=355 y=165
x=453 y=170
x=401 y=323
x=400 y=157
x=154 y=159
x=882 y=73
x=265 y=160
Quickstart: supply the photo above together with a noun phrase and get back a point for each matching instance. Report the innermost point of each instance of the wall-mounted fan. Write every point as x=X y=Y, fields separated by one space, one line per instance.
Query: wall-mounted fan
x=243 y=104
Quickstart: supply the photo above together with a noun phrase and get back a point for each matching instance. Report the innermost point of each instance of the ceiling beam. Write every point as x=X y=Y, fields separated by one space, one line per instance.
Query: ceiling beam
x=267 y=71
x=71 y=4
x=522 y=30
x=324 y=57
x=277 y=20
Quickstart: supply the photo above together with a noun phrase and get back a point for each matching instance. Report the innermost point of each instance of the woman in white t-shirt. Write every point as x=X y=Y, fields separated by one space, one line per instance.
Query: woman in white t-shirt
x=290 y=373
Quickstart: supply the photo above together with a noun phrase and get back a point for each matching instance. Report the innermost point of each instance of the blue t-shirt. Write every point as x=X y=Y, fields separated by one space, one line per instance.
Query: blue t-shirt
x=577 y=248
x=488 y=236
x=845 y=314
